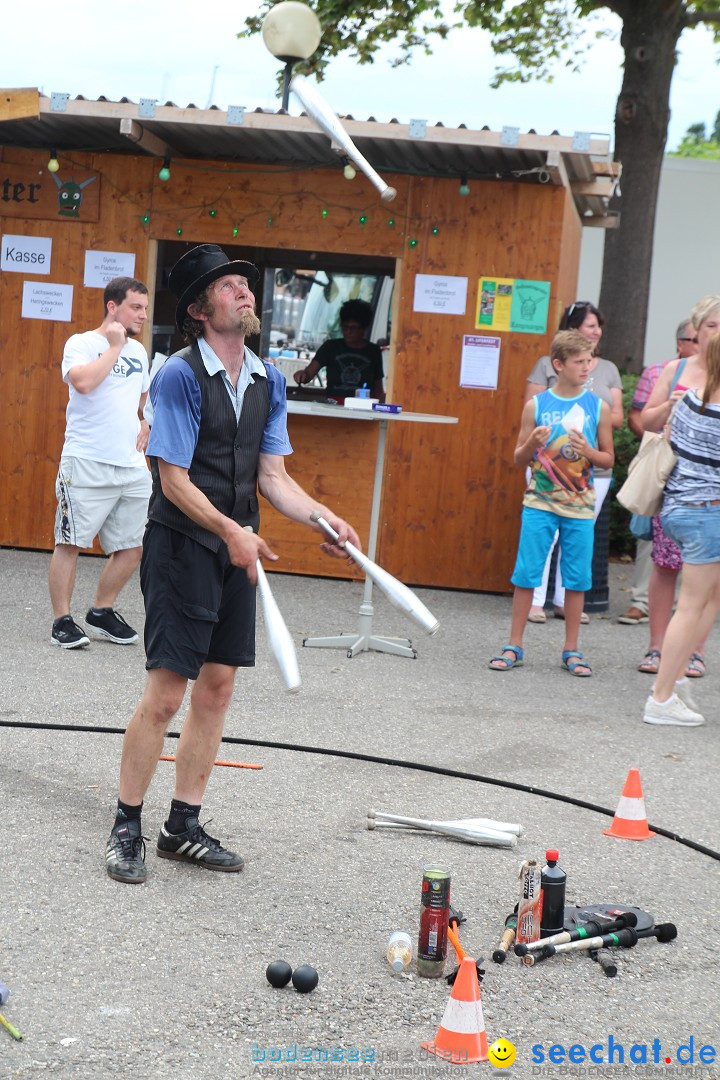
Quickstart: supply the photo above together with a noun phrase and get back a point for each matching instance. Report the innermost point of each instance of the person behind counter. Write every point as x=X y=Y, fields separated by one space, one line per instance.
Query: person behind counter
x=351 y=361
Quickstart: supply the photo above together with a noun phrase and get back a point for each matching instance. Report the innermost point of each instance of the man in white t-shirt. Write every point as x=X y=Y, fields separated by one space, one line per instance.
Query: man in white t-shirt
x=103 y=483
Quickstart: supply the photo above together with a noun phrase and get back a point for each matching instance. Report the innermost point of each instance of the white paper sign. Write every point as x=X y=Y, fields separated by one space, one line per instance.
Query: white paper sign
x=440 y=295
x=26 y=254
x=103 y=266
x=45 y=301
x=480 y=361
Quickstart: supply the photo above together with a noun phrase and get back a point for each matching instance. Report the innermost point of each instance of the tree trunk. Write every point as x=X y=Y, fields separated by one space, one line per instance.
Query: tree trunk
x=651 y=29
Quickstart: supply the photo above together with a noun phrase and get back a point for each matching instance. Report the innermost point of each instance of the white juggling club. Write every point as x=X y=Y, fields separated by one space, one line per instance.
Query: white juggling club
x=398 y=594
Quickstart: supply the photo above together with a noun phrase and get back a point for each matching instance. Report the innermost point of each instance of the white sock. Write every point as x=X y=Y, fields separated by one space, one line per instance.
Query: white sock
x=662 y=704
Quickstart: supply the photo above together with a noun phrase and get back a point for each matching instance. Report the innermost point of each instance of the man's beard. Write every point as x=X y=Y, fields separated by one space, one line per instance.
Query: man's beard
x=249 y=324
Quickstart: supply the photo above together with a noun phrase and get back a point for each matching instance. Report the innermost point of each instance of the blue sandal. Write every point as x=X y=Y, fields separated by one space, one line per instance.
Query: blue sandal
x=506 y=660
x=572 y=660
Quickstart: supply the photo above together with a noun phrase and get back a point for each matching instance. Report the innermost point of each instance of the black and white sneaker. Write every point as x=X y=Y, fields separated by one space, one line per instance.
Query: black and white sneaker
x=195 y=846
x=67 y=634
x=125 y=853
x=106 y=622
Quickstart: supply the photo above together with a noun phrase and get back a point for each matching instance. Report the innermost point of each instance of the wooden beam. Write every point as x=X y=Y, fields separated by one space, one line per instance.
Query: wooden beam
x=601 y=188
x=21 y=104
x=148 y=142
x=604 y=221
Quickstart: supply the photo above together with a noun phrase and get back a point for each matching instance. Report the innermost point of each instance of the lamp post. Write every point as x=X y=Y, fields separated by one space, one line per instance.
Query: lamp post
x=291 y=32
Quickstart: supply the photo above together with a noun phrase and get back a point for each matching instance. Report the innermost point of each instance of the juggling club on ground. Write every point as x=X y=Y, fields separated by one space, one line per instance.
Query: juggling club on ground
x=500 y=953
x=625 y=939
x=589 y=929
x=604 y=958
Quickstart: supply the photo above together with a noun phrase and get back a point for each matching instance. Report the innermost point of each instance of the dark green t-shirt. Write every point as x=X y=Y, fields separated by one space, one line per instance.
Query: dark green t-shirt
x=349 y=369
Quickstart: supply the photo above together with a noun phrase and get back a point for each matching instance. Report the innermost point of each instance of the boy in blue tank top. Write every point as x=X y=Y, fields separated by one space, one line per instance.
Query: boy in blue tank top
x=564 y=433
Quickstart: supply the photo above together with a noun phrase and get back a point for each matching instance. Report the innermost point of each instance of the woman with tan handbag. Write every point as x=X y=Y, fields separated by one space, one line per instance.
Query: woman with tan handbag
x=666 y=555
x=690 y=517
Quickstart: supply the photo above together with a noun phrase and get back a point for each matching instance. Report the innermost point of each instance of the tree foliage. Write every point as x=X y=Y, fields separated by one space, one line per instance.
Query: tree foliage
x=534 y=35
x=696 y=144
x=531 y=38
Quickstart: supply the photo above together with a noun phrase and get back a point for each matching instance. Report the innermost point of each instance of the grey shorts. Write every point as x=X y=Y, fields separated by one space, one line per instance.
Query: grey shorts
x=107 y=501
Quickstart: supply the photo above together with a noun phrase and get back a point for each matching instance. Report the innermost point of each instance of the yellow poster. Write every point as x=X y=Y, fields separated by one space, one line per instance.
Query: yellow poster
x=494 y=303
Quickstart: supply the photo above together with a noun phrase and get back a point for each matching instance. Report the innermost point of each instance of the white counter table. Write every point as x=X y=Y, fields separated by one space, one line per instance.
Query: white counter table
x=364 y=639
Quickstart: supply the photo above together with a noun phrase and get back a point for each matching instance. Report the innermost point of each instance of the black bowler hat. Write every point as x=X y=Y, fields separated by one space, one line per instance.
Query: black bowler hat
x=197 y=269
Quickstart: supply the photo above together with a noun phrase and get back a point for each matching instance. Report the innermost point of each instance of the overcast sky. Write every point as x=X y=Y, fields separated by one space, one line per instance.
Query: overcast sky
x=165 y=50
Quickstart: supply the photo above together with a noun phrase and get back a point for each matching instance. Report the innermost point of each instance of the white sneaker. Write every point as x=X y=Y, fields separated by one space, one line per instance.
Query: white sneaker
x=672 y=712
x=682 y=689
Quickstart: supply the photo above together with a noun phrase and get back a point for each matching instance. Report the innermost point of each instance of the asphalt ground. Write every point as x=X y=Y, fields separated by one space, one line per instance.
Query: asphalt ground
x=166 y=980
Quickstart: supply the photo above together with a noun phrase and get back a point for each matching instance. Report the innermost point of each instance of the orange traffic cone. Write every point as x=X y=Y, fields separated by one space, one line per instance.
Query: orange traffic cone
x=461 y=1036
x=630 y=821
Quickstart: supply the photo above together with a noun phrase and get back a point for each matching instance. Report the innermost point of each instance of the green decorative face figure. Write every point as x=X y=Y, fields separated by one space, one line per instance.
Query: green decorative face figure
x=70 y=195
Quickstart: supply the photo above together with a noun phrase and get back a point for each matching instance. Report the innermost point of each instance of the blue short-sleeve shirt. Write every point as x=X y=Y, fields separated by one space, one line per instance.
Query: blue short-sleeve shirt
x=176 y=399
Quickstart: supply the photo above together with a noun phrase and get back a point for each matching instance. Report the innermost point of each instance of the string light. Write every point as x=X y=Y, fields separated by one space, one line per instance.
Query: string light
x=391 y=221
x=146 y=219
x=235 y=231
x=324 y=213
x=464 y=188
x=412 y=243
x=179 y=231
x=164 y=173
x=53 y=164
x=363 y=219
x=435 y=230
x=348 y=171
x=269 y=221
x=212 y=213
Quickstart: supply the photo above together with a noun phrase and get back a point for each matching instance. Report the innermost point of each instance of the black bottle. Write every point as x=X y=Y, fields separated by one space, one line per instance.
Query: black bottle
x=553 y=896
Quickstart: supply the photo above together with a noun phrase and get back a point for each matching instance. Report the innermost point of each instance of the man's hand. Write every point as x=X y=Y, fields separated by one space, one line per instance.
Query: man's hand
x=300 y=376
x=245 y=548
x=116 y=335
x=143 y=436
x=346 y=532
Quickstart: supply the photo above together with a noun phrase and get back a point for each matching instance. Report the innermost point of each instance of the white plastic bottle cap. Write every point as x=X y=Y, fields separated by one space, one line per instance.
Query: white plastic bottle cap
x=397 y=963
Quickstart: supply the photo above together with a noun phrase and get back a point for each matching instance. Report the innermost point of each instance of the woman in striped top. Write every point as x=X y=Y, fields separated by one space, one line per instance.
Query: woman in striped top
x=691 y=517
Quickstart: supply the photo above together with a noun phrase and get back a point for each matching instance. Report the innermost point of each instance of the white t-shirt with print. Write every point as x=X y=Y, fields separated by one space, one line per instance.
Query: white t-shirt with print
x=103 y=425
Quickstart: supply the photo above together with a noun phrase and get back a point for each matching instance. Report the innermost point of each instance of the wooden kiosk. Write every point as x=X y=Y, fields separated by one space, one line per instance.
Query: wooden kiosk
x=265 y=186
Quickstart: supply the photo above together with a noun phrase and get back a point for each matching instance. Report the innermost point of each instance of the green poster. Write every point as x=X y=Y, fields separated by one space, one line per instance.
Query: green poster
x=530 y=303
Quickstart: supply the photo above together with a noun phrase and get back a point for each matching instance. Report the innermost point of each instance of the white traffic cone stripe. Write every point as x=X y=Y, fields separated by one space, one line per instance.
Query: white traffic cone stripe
x=463 y=1017
x=631 y=809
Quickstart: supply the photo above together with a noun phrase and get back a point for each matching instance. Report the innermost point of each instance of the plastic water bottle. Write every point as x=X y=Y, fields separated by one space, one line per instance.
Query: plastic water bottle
x=552 y=881
x=399 y=951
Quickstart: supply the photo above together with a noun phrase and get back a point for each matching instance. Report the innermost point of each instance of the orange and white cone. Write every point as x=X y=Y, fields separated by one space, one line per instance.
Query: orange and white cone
x=461 y=1037
x=630 y=821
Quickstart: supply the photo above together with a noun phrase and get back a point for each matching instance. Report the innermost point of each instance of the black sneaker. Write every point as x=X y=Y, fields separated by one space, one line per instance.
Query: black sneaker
x=195 y=846
x=67 y=634
x=125 y=853
x=108 y=623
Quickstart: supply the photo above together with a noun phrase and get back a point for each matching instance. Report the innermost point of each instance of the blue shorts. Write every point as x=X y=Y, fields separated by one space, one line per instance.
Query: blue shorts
x=696 y=531
x=536 y=538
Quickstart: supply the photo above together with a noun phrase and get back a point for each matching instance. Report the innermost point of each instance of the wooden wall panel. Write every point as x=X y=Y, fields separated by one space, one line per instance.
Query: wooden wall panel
x=273 y=207
x=34 y=397
x=451 y=494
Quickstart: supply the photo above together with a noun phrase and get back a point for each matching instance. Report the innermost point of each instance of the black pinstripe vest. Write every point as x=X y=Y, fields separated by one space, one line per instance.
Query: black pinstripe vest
x=225 y=462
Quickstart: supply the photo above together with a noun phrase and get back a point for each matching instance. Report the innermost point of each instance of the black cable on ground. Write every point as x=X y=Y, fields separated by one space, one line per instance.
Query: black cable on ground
x=417 y=766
